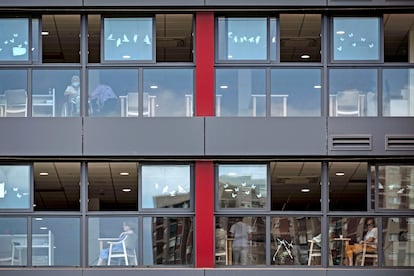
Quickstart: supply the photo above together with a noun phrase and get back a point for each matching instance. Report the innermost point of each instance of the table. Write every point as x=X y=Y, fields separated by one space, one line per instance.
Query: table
x=344 y=243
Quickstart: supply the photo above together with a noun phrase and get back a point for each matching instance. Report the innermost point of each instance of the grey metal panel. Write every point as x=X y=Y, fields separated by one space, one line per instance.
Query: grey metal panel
x=40 y=3
x=40 y=272
x=265 y=136
x=271 y=3
x=265 y=272
x=144 y=136
x=371 y=272
x=144 y=272
x=41 y=136
x=142 y=3
x=370 y=3
x=377 y=127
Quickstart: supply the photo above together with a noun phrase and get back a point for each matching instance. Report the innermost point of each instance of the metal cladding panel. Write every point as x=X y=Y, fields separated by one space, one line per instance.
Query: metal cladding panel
x=371 y=272
x=265 y=136
x=144 y=136
x=40 y=272
x=142 y=3
x=370 y=3
x=41 y=136
x=41 y=3
x=265 y=272
x=269 y=3
x=144 y=272
x=378 y=128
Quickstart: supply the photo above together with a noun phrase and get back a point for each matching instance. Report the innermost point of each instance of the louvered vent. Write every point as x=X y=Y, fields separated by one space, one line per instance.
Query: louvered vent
x=351 y=142
x=399 y=142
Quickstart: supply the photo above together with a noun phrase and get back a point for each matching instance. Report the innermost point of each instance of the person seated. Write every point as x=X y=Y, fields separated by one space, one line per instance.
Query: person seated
x=72 y=93
x=104 y=100
x=104 y=254
x=370 y=237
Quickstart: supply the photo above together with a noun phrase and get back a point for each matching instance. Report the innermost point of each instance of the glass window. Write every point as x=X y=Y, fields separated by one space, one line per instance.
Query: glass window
x=300 y=37
x=242 y=38
x=356 y=38
x=55 y=241
x=352 y=236
x=56 y=186
x=13 y=241
x=14 y=187
x=242 y=186
x=128 y=39
x=397 y=241
x=94 y=38
x=396 y=187
x=295 y=240
x=290 y=97
x=113 y=186
x=398 y=92
x=398 y=33
x=357 y=98
x=113 y=92
x=296 y=186
x=240 y=240
x=241 y=92
x=347 y=186
x=56 y=93
x=113 y=241
x=14 y=39
x=13 y=93
x=168 y=241
x=168 y=92
x=166 y=186
x=61 y=38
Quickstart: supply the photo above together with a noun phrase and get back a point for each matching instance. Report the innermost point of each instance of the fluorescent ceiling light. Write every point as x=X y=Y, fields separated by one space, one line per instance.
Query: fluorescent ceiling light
x=305 y=56
x=43 y=228
x=305 y=190
x=44 y=173
x=154 y=86
x=126 y=57
x=224 y=86
x=126 y=190
x=228 y=190
x=317 y=86
x=340 y=32
x=124 y=173
x=39 y=219
x=340 y=174
x=45 y=33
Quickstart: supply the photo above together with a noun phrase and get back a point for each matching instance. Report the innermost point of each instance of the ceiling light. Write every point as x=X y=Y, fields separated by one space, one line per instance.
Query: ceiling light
x=154 y=86
x=45 y=33
x=317 y=86
x=126 y=190
x=126 y=57
x=39 y=219
x=43 y=228
x=305 y=190
x=44 y=174
x=305 y=56
x=124 y=173
x=224 y=86
x=340 y=174
x=340 y=32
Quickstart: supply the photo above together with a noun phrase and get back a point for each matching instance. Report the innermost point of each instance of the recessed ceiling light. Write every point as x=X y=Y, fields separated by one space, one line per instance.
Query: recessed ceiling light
x=317 y=86
x=305 y=56
x=305 y=190
x=43 y=228
x=154 y=86
x=224 y=86
x=340 y=174
x=38 y=219
x=126 y=57
x=124 y=173
x=126 y=190
x=45 y=33
x=340 y=32
x=44 y=173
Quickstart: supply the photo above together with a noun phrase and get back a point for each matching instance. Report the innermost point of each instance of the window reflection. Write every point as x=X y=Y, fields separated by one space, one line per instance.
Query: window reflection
x=290 y=97
x=56 y=93
x=13 y=93
x=113 y=92
x=50 y=243
x=113 y=241
x=168 y=241
x=14 y=187
x=357 y=98
x=14 y=39
x=347 y=186
x=295 y=241
x=241 y=92
x=240 y=241
x=242 y=38
x=353 y=241
x=397 y=93
x=242 y=186
x=296 y=185
x=113 y=186
x=398 y=33
x=168 y=92
x=13 y=239
x=396 y=187
x=356 y=38
x=166 y=186
x=398 y=238
x=128 y=39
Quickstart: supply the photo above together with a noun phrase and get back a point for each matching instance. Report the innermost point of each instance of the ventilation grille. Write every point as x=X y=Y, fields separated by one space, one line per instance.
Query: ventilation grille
x=351 y=142
x=400 y=142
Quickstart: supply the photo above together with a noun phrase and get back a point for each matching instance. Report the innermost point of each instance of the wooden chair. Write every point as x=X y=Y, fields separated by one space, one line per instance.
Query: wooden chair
x=369 y=250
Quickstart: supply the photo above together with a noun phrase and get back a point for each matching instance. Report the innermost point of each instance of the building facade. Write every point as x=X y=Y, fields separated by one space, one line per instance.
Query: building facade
x=207 y=137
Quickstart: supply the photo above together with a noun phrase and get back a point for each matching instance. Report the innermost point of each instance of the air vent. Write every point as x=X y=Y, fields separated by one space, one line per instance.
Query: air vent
x=351 y=142
x=399 y=142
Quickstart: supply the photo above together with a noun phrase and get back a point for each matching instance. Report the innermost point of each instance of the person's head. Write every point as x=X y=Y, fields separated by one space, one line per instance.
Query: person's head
x=128 y=225
x=75 y=81
x=370 y=223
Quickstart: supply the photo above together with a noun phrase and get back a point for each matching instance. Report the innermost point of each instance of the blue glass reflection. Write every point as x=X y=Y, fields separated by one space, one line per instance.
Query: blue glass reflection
x=14 y=39
x=397 y=94
x=14 y=187
x=13 y=237
x=11 y=82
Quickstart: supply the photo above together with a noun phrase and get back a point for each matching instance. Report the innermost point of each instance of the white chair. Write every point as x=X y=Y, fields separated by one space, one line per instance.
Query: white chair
x=132 y=105
x=348 y=103
x=16 y=102
x=369 y=250
x=221 y=246
x=315 y=251
x=127 y=252
x=6 y=250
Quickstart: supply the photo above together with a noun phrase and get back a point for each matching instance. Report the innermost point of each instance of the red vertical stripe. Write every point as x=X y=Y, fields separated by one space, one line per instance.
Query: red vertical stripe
x=204 y=209
x=204 y=64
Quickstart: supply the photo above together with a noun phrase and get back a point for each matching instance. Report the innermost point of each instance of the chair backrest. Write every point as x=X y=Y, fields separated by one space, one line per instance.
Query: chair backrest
x=132 y=104
x=131 y=241
x=348 y=103
x=6 y=247
x=16 y=97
